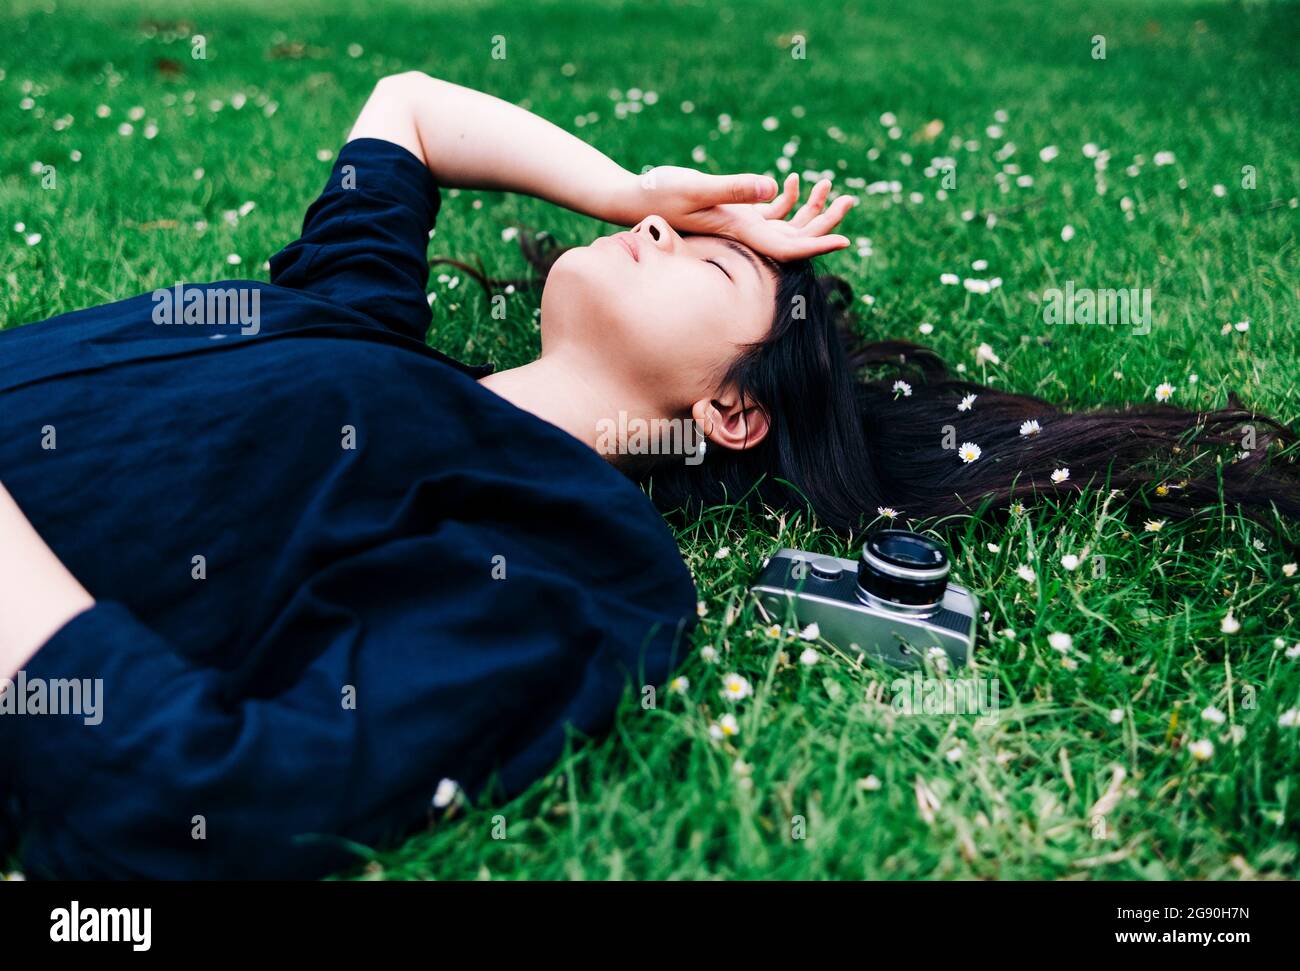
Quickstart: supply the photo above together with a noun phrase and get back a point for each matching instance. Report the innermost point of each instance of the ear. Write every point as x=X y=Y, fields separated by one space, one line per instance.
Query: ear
x=728 y=422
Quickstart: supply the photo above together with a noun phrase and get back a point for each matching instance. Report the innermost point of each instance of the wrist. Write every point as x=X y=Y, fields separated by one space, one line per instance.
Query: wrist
x=623 y=202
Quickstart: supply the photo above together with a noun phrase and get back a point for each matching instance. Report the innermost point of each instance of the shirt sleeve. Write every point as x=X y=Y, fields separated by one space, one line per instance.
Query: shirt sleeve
x=364 y=242
x=402 y=677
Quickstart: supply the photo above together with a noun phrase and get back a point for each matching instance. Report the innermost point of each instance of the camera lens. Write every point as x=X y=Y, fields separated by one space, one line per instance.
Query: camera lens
x=903 y=569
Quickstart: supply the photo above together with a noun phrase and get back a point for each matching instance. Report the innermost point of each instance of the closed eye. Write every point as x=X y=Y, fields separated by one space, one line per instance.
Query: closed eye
x=720 y=267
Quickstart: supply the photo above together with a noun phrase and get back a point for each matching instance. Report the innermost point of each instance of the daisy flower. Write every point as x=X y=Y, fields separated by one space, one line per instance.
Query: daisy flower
x=1030 y=427
x=1153 y=525
x=1229 y=624
x=869 y=784
x=679 y=685
x=724 y=727
x=903 y=388
x=723 y=553
x=1070 y=562
x=1060 y=475
x=1067 y=233
x=889 y=512
x=1289 y=718
x=445 y=793
x=1026 y=573
x=774 y=630
x=967 y=402
x=811 y=632
x=736 y=688
x=1202 y=750
x=984 y=354
x=1060 y=641
x=1214 y=716
x=949 y=279
x=809 y=657
x=1116 y=715
x=1017 y=508
x=709 y=654
x=1164 y=391
x=1288 y=569
x=968 y=452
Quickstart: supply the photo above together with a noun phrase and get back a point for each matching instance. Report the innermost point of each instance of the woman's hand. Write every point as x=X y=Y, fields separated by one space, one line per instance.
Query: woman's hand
x=737 y=206
x=37 y=593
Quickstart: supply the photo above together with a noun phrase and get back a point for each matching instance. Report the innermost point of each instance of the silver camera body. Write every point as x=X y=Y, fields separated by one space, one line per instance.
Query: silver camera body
x=894 y=603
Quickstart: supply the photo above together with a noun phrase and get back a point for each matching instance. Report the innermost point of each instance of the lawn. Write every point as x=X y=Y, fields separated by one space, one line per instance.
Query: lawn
x=1174 y=161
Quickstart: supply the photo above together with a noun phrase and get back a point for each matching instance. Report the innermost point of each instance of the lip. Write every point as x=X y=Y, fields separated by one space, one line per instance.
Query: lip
x=629 y=243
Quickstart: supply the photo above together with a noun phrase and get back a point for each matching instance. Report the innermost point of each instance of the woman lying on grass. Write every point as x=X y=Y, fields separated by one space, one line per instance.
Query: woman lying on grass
x=311 y=575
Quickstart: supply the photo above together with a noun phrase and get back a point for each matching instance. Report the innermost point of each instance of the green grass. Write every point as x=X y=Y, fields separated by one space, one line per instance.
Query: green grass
x=1214 y=83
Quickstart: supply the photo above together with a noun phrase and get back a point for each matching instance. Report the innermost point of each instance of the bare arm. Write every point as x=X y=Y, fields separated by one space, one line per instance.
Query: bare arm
x=37 y=593
x=473 y=140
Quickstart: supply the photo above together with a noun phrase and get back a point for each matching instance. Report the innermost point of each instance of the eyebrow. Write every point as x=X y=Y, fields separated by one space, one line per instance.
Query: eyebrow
x=744 y=251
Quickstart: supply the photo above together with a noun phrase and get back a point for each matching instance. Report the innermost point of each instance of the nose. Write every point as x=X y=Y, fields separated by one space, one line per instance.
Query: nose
x=655 y=229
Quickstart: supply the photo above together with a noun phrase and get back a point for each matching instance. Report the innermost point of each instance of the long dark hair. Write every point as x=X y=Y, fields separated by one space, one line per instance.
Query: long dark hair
x=846 y=440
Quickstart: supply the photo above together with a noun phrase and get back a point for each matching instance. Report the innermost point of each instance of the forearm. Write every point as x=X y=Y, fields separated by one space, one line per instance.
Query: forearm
x=37 y=593
x=473 y=140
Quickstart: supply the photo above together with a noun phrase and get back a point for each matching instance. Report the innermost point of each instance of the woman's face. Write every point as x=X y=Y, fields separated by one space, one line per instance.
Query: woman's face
x=664 y=315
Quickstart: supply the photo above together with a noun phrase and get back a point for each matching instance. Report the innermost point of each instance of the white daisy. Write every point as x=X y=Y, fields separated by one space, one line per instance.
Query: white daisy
x=724 y=727
x=869 y=784
x=1060 y=475
x=1153 y=525
x=736 y=688
x=1202 y=750
x=949 y=279
x=1213 y=715
x=1164 y=391
x=445 y=793
x=811 y=632
x=1026 y=573
x=709 y=654
x=1030 y=427
x=969 y=452
x=722 y=553
x=903 y=388
x=1070 y=562
x=967 y=402
x=1060 y=641
x=1229 y=624
x=984 y=354
x=679 y=685
x=1289 y=718
x=809 y=657
x=889 y=512
x=1067 y=233
x=1288 y=569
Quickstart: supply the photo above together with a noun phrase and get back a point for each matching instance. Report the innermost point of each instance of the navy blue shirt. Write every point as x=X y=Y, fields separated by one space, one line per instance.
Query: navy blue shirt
x=330 y=568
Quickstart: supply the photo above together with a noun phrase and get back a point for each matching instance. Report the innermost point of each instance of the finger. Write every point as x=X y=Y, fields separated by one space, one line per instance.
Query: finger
x=807 y=248
x=778 y=241
x=720 y=190
x=780 y=207
x=816 y=200
x=831 y=218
